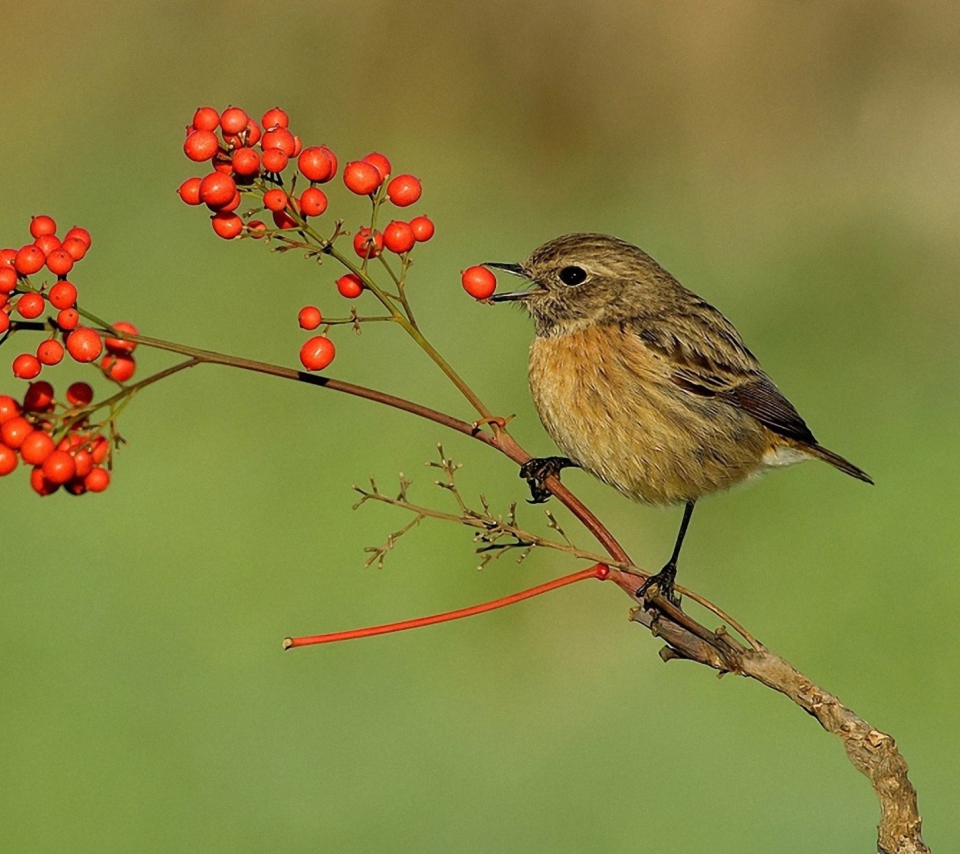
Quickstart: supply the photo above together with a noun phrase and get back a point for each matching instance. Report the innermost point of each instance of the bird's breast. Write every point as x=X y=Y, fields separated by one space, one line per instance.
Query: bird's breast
x=611 y=405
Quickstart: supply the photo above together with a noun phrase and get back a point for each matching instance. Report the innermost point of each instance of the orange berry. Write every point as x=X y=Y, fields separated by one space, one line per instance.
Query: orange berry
x=275 y=160
x=399 y=237
x=8 y=460
x=41 y=225
x=317 y=163
x=120 y=346
x=279 y=138
x=59 y=262
x=368 y=244
x=206 y=118
x=75 y=247
x=14 y=430
x=361 y=177
x=313 y=202
x=217 y=190
x=234 y=120
x=47 y=243
x=50 y=352
x=275 y=118
x=309 y=317
x=376 y=159
x=350 y=286
x=26 y=367
x=479 y=282
x=404 y=190
x=30 y=259
x=36 y=447
x=422 y=228
x=8 y=280
x=281 y=219
x=98 y=480
x=317 y=353
x=68 y=319
x=9 y=408
x=80 y=234
x=84 y=344
x=275 y=200
x=118 y=368
x=256 y=228
x=226 y=225
x=59 y=467
x=31 y=306
x=189 y=191
x=246 y=162
x=201 y=145
x=63 y=294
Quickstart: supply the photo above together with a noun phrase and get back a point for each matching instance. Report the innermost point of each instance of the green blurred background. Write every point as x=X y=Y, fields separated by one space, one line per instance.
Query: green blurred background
x=796 y=164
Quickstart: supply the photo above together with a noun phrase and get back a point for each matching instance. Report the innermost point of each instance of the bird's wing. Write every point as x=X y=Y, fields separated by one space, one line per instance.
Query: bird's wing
x=705 y=356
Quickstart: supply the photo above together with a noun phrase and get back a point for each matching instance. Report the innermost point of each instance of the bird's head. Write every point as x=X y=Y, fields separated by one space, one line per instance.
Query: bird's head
x=582 y=279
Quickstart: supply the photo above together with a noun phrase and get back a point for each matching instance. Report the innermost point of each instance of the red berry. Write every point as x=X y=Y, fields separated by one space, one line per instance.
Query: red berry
x=217 y=190
x=79 y=394
x=252 y=132
x=275 y=118
x=26 y=367
x=80 y=234
x=36 y=448
x=68 y=319
x=118 y=368
x=63 y=295
x=279 y=138
x=246 y=162
x=31 y=306
x=422 y=228
x=223 y=165
x=234 y=120
x=201 y=145
x=404 y=190
x=281 y=219
x=41 y=225
x=316 y=165
x=59 y=467
x=98 y=480
x=120 y=346
x=275 y=200
x=75 y=247
x=39 y=397
x=367 y=244
x=84 y=462
x=9 y=408
x=350 y=286
x=226 y=225
x=14 y=431
x=4 y=320
x=100 y=449
x=275 y=159
x=256 y=228
x=317 y=353
x=206 y=118
x=40 y=484
x=297 y=146
x=7 y=257
x=309 y=317
x=361 y=177
x=50 y=352
x=378 y=160
x=313 y=202
x=60 y=262
x=399 y=237
x=47 y=243
x=30 y=259
x=8 y=279
x=234 y=204
x=479 y=282
x=84 y=345
x=189 y=191
x=8 y=460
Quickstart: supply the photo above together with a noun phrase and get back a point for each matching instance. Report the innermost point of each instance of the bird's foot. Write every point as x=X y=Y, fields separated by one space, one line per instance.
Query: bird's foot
x=663 y=581
x=536 y=471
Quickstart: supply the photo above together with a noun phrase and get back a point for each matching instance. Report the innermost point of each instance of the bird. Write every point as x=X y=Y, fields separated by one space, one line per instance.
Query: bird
x=646 y=385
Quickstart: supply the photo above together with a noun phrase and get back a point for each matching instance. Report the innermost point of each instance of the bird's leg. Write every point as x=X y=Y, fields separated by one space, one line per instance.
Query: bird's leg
x=665 y=578
x=536 y=471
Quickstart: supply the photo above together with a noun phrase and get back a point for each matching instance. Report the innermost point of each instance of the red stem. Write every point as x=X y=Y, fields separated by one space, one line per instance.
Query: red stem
x=597 y=571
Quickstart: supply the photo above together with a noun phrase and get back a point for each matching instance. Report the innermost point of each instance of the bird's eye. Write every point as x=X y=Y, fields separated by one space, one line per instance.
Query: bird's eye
x=573 y=275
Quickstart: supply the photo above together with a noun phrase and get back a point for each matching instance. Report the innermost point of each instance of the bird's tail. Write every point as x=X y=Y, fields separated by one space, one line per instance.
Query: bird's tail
x=839 y=462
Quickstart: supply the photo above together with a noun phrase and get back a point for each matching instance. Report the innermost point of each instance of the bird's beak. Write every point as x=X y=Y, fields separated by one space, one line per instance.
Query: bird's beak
x=514 y=270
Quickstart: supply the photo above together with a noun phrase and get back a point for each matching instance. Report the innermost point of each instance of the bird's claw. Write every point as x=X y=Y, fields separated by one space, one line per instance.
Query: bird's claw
x=536 y=471
x=663 y=581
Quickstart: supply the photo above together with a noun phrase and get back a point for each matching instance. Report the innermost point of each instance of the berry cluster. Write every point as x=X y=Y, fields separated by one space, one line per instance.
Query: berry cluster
x=55 y=439
x=20 y=292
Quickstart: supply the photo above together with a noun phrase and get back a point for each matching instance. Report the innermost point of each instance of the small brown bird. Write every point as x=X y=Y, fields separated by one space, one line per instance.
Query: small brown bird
x=647 y=386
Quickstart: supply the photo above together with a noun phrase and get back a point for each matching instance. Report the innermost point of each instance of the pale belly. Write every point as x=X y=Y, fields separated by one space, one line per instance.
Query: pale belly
x=612 y=410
